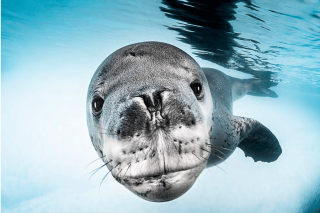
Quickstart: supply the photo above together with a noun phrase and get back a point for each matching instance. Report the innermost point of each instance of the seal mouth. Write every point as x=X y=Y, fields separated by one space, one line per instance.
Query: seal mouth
x=159 y=176
x=160 y=168
x=163 y=187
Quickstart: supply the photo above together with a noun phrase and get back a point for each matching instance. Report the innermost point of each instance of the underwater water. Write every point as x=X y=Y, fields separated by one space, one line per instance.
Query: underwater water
x=50 y=50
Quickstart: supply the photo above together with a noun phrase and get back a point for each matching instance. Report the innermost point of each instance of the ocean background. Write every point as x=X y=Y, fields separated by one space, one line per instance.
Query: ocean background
x=50 y=50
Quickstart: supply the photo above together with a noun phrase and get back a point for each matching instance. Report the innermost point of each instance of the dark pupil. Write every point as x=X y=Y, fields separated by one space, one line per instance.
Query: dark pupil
x=196 y=87
x=97 y=104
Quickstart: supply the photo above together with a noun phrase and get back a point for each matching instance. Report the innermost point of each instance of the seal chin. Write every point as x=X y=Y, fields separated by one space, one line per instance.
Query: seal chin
x=165 y=187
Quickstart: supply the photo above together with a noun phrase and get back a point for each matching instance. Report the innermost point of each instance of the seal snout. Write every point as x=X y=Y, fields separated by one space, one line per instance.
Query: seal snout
x=154 y=110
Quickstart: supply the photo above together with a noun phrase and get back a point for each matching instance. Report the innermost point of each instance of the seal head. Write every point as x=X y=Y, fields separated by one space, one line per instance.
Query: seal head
x=149 y=115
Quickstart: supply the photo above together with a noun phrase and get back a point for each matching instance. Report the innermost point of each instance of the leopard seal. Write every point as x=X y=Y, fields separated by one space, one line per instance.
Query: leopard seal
x=157 y=119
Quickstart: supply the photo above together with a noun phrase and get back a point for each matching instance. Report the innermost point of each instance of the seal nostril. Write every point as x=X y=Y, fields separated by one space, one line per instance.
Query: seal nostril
x=133 y=152
x=193 y=122
x=180 y=142
x=174 y=140
x=153 y=102
x=124 y=152
x=180 y=127
x=118 y=132
x=140 y=149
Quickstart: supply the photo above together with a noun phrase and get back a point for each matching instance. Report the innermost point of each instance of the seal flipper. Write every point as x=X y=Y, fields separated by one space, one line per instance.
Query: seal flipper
x=254 y=87
x=257 y=141
x=259 y=87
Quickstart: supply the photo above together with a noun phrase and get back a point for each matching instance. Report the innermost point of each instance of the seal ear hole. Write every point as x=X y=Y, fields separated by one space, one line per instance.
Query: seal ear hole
x=97 y=104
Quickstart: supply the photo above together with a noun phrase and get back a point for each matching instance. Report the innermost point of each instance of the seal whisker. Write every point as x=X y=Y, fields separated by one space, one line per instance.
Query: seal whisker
x=223 y=148
x=96 y=170
x=103 y=133
x=214 y=148
x=214 y=164
x=218 y=139
x=218 y=150
x=176 y=149
x=218 y=147
x=126 y=171
x=196 y=156
x=119 y=173
x=94 y=161
x=189 y=158
x=212 y=154
x=107 y=174
x=107 y=132
x=101 y=128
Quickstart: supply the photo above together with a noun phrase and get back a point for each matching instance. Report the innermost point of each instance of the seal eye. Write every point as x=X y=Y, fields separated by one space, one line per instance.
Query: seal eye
x=97 y=104
x=197 y=89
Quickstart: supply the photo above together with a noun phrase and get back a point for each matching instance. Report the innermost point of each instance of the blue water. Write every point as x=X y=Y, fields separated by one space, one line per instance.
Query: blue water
x=50 y=50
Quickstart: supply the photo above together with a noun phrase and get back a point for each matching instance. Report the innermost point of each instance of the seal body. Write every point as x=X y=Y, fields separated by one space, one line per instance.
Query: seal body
x=157 y=122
